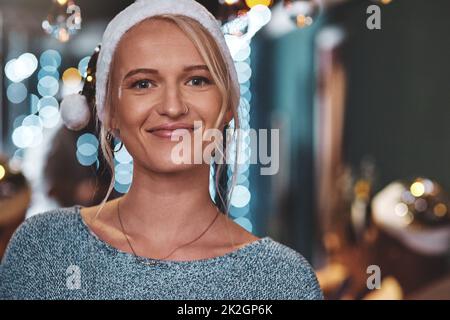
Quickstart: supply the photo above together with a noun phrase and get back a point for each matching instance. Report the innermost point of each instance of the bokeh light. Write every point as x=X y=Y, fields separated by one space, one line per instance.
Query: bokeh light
x=71 y=77
x=401 y=209
x=16 y=92
x=34 y=102
x=50 y=71
x=245 y=223
x=2 y=172
x=87 y=149
x=50 y=60
x=231 y=2
x=22 y=137
x=50 y=116
x=124 y=173
x=417 y=189
x=259 y=16
x=83 y=66
x=86 y=161
x=32 y=120
x=18 y=120
x=244 y=71
x=240 y=196
x=123 y=156
x=239 y=212
x=440 y=210
x=47 y=102
x=48 y=86
x=121 y=188
x=252 y=3
x=87 y=138
x=21 y=68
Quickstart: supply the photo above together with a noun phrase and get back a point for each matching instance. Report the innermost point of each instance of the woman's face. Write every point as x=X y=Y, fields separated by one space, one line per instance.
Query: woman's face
x=157 y=73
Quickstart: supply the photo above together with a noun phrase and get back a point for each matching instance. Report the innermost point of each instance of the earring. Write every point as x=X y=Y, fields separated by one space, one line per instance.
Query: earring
x=109 y=135
x=113 y=133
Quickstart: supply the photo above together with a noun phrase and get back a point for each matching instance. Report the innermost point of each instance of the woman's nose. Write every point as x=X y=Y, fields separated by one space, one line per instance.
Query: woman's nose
x=172 y=104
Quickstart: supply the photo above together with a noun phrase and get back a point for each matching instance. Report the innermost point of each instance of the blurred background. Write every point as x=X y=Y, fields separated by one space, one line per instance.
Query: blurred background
x=358 y=89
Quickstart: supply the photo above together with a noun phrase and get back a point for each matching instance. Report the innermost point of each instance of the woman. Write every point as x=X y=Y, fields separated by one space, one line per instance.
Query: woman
x=163 y=65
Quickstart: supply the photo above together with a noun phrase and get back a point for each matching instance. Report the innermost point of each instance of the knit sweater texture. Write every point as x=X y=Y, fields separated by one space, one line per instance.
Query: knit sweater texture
x=55 y=255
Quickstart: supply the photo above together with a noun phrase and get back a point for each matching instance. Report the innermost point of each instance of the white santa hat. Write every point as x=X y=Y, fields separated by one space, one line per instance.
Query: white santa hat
x=74 y=108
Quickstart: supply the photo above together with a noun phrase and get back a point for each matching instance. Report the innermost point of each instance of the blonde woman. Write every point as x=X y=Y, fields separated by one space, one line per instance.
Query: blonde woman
x=163 y=65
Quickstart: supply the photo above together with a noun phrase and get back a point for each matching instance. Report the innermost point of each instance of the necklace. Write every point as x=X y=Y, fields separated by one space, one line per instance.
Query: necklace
x=154 y=262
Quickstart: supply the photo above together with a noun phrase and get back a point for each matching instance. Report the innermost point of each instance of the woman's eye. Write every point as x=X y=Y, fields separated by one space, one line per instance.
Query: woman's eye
x=199 y=81
x=142 y=84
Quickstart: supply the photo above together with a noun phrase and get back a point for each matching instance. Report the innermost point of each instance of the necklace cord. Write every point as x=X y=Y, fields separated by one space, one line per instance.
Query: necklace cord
x=186 y=244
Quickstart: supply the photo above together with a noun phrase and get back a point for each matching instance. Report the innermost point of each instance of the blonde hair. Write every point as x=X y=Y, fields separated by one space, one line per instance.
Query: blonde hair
x=214 y=59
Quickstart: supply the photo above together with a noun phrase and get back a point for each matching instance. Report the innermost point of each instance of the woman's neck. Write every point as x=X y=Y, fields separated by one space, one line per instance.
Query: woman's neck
x=172 y=207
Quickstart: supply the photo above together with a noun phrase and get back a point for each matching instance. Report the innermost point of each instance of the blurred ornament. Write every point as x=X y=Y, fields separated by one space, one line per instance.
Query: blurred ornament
x=75 y=111
x=63 y=20
x=416 y=212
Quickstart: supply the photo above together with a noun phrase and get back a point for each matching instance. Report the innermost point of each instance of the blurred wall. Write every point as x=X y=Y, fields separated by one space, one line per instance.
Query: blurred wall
x=398 y=103
x=283 y=89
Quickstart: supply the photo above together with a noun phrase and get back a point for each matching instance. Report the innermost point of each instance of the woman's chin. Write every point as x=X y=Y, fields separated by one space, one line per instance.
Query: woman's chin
x=167 y=165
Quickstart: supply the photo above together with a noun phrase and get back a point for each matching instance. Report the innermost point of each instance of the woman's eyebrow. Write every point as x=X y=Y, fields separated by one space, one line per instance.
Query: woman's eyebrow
x=196 y=67
x=140 y=70
x=154 y=71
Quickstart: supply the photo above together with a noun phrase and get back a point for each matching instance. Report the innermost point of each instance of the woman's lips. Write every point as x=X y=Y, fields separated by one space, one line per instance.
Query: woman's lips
x=166 y=133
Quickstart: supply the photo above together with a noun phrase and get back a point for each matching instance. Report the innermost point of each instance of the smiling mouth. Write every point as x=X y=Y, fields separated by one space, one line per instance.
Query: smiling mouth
x=168 y=133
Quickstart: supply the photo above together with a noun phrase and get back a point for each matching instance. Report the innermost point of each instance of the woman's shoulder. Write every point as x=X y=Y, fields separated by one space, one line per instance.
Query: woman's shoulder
x=35 y=250
x=50 y=225
x=295 y=276
x=50 y=221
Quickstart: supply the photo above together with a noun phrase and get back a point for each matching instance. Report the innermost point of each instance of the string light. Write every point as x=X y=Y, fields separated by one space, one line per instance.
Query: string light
x=252 y=3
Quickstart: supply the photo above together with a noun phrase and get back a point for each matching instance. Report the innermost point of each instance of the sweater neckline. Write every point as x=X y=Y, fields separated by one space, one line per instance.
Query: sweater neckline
x=238 y=252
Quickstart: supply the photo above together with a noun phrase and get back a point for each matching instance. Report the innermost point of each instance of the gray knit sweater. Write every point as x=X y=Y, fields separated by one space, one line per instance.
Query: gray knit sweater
x=54 y=255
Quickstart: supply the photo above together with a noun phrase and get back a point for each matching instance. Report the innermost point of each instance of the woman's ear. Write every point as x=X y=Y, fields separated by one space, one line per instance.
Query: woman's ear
x=115 y=126
x=113 y=122
x=228 y=116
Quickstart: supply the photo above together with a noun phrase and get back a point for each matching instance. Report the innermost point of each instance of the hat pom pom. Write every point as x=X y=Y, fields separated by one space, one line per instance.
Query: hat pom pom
x=75 y=111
